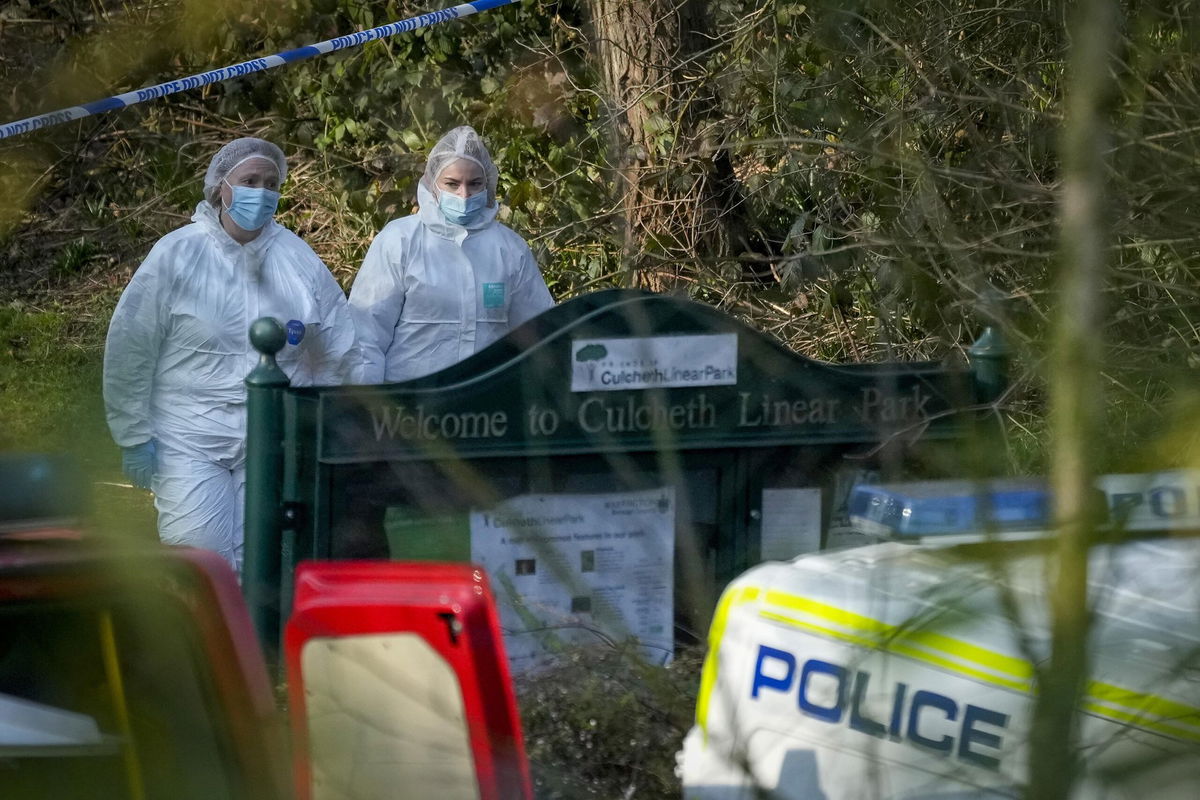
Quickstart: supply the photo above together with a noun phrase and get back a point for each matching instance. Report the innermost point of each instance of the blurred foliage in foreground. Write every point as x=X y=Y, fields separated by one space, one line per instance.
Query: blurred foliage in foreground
x=895 y=174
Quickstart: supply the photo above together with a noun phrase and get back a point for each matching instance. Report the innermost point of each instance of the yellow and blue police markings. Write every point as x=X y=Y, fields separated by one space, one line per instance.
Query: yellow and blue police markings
x=778 y=670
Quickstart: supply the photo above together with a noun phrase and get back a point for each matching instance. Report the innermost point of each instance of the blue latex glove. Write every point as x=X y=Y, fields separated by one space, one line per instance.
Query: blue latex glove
x=137 y=462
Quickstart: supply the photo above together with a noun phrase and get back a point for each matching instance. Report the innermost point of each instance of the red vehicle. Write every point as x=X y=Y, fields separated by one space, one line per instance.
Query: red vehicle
x=137 y=674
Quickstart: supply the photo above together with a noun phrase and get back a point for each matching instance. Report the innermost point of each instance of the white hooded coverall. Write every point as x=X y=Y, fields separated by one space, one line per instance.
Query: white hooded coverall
x=431 y=293
x=178 y=353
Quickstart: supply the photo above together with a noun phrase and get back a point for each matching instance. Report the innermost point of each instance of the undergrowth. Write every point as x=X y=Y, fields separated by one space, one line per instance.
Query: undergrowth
x=602 y=723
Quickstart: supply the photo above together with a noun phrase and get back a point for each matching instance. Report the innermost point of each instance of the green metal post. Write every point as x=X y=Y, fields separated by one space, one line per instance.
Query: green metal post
x=264 y=480
x=989 y=362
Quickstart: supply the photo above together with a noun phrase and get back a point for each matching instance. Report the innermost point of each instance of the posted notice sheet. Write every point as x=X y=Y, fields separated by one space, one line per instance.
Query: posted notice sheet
x=580 y=568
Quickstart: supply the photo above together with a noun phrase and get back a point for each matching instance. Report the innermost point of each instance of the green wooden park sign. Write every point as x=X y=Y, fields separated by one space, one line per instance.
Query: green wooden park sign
x=618 y=374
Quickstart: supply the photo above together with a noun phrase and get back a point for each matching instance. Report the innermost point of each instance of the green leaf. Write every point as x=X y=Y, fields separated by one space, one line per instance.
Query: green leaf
x=412 y=140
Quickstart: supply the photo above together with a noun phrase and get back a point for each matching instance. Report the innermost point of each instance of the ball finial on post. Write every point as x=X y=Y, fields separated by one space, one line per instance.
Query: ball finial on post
x=268 y=338
x=267 y=335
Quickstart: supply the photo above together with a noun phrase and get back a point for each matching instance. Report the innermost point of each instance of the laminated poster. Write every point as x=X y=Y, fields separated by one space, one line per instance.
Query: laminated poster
x=579 y=569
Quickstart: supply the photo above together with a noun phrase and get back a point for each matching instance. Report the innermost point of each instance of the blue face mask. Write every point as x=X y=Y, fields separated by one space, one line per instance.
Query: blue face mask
x=252 y=208
x=462 y=211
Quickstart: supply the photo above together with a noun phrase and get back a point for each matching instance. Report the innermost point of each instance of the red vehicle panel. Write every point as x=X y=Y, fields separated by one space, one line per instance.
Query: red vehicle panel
x=449 y=607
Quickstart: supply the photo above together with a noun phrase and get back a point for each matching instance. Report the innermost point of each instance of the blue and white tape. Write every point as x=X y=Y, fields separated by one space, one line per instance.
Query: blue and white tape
x=246 y=67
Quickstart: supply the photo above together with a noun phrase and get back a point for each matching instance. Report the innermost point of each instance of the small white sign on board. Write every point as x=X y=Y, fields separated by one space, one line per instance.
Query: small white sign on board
x=647 y=362
x=580 y=568
x=791 y=523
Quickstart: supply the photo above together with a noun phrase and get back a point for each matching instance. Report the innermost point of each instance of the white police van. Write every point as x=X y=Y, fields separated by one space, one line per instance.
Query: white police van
x=904 y=669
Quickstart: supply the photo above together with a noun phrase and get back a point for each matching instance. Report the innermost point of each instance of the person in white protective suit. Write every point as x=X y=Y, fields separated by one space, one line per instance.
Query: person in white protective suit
x=178 y=349
x=441 y=284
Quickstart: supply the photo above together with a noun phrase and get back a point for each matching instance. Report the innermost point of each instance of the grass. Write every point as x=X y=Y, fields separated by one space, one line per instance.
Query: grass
x=50 y=401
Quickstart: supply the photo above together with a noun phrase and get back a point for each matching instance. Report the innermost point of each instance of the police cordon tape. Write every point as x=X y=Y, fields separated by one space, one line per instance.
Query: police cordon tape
x=247 y=67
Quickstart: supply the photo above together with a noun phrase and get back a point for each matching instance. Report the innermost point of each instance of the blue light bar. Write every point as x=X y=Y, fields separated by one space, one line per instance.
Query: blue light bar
x=950 y=508
x=1168 y=500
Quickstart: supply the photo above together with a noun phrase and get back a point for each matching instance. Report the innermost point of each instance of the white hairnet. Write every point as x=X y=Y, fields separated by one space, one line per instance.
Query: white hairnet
x=462 y=142
x=235 y=153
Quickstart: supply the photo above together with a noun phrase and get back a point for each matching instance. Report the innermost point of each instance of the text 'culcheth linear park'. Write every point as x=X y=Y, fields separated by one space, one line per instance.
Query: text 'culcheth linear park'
x=633 y=414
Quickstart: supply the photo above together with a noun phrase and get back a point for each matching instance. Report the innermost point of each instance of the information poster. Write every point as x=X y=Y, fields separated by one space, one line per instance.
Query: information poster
x=580 y=568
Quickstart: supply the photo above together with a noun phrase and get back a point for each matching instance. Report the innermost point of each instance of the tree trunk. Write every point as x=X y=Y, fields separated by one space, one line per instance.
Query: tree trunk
x=678 y=200
x=1075 y=403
